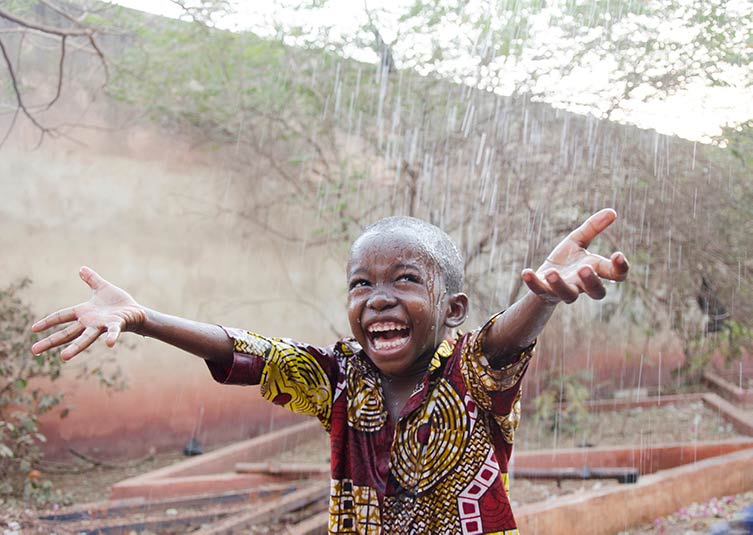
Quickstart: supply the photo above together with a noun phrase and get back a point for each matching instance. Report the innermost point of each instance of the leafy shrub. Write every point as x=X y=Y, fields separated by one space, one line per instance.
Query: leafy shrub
x=26 y=395
x=562 y=402
x=23 y=396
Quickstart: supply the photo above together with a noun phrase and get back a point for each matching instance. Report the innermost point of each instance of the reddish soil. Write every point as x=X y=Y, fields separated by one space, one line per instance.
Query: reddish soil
x=640 y=426
x=696 y=519
x=79 y=483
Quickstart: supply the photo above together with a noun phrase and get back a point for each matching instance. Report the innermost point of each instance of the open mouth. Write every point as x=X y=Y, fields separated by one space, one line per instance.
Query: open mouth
x=388 y=335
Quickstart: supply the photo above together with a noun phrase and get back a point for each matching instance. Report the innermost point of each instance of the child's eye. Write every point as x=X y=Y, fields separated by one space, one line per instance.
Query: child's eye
x=357 y=283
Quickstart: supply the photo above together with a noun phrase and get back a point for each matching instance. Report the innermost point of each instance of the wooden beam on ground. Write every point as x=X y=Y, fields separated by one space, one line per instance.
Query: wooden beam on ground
x=159 y=522
x=313 y=525
x=741 y=420
x=115 y=508
x=729 y=391
x=213 y=465
x=272 y=511
x=622 y=474
x=278 y=468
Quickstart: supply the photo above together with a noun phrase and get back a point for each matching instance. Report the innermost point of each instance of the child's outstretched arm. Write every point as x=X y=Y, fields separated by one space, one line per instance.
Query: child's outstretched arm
x=568 y=271
x=111 y=310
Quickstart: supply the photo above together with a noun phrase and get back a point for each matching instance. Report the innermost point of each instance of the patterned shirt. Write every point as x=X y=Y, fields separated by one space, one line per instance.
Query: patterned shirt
x=441 y=468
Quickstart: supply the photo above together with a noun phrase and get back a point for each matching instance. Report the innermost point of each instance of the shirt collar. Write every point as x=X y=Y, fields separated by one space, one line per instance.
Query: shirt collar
x=443 y=352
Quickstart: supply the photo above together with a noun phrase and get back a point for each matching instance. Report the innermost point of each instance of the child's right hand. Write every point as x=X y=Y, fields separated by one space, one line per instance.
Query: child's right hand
x=109 y=310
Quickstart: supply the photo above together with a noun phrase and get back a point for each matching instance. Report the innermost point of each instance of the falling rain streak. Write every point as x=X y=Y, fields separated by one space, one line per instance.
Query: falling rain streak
x=508 y=176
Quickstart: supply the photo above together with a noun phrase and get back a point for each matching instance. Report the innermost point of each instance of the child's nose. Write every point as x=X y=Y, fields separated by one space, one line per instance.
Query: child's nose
x=381 y=300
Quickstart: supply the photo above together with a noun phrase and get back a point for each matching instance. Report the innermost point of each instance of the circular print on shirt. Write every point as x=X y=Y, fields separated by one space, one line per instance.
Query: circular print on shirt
x=366 y=411
x=431 y=442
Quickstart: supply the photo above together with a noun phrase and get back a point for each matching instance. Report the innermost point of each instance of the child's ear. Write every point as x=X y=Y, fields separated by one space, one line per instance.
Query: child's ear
x=458 y=309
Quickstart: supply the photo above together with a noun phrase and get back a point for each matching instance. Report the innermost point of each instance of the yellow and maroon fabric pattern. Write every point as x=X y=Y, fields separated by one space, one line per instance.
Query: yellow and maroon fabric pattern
x=441 y=468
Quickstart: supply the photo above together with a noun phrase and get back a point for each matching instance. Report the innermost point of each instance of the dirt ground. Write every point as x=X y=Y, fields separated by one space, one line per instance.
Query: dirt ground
x=639 y=426
x=75 y=482
x=698 y=518
x=81 y=482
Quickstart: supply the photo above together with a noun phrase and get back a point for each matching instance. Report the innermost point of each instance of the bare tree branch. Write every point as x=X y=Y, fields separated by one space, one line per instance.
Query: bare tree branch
x=19 y=99
x=69 y=32
x=102 y=58
x=80 y=30
x=60 y=74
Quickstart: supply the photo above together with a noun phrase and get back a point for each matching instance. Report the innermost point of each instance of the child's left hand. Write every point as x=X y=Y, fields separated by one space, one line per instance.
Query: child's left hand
x=571 y=270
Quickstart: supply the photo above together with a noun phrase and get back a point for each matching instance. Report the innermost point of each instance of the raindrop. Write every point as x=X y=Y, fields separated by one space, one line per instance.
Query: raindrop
x=695 y=199
x=640 y=374
x=740 y=366
x=739 y=274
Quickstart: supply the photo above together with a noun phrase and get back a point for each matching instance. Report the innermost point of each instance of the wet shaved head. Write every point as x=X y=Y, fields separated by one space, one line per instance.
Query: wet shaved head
x=434 y=242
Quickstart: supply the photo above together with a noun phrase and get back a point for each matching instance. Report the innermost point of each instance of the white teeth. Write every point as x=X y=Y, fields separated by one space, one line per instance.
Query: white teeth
x=386 y=326
x=389 y=342
x=382 y=345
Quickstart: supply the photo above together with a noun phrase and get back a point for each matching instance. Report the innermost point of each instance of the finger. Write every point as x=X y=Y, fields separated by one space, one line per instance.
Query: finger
x=113 y=332
x=58 y=338
x=621 y=266
x=56 y=318
x=614 y=268
x=567 y=292
x=591 y=283
x=82 y=342
x=91 y=277
x=593 y=226
x=535 y=284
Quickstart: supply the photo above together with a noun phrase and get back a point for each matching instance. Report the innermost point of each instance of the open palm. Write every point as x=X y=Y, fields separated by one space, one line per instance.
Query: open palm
x=571 y=269
x=110 y=310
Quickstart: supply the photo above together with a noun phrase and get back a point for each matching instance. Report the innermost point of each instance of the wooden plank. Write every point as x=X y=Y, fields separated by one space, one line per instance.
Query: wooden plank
x=623 y=474
x=278 y=468
x=740 y=419
x=314 y=525
x=221 y=460
x=153 y=522
x=728 y=390
x=115 y=508
x=271 y=511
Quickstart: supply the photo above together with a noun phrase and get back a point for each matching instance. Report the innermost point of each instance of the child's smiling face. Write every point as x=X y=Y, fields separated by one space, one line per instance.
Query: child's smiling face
x=398 y=307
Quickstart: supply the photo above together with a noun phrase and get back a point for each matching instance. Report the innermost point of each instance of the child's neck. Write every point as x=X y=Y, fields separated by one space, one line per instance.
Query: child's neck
x=397 y=391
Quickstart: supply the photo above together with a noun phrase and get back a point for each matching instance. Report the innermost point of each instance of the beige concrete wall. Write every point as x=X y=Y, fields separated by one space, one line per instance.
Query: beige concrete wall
x=164 y=221
x=148 y=216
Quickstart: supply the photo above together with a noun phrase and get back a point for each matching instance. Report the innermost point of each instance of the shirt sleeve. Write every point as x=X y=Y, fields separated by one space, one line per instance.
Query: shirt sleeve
x=494 y=390
x=293 y=375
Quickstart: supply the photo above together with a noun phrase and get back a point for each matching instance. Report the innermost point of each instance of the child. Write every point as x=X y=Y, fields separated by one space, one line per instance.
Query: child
x=421 y=420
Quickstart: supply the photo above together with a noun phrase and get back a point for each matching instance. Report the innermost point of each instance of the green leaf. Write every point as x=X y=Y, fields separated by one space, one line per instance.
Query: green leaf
x=6 y=452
